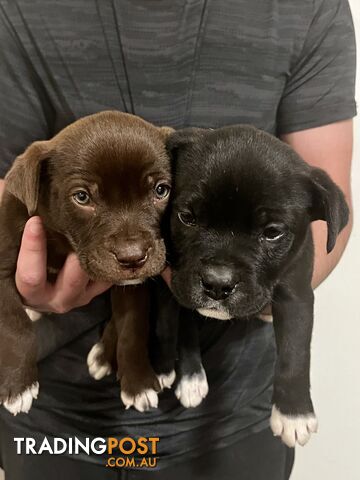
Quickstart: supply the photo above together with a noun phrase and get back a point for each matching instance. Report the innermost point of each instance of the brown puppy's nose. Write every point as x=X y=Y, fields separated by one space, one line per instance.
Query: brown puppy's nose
x=132 y=254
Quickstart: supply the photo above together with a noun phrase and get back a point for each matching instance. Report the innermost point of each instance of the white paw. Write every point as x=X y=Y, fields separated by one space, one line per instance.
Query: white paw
x=293 y=428
x=97 y=369
x=191 y=390
x=33 y=314
x=23 y=402
x=142 y=401
x=166 y=379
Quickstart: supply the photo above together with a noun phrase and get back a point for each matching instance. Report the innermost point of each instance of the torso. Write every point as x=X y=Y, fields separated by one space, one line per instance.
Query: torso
x=194 y=63
x=198 y=63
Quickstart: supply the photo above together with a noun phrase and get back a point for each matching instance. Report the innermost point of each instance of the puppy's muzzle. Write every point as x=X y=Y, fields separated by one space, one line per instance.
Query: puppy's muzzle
x=218 y=281
x=132 y=254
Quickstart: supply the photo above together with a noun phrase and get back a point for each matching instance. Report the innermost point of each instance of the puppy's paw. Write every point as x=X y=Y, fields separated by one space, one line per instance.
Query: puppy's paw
x=98 y=366
x=166 y=379
x=142 y=401
x=139 y=388
x=33 y=314
x=192 y=389
x=23 y=401
x=293 y=428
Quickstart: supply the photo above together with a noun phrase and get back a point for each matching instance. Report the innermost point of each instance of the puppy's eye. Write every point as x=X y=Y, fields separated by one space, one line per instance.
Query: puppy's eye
x=273 y=232
x=187 y=218
x=81 y=197
x=162 y=190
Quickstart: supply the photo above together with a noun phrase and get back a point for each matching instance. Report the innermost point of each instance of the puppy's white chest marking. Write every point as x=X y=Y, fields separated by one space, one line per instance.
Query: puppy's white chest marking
x=212 y=313
x=293 y=428
x=135 y=281
x=192 y=389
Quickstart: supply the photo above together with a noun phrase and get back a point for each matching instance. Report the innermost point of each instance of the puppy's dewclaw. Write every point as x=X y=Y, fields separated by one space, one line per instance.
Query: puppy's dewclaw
x=293 y=429
x=22 y=403
x=142 y=401
x=166 y=379
x=98 y=369
x=192 y=389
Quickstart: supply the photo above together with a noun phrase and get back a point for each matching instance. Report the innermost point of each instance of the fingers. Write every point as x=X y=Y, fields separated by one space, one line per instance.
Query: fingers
x=166 y=275
x=267 y=310
x=2 y=186
x=96 y=288
x=72 y=288
x=31 y=270
x=266 y=314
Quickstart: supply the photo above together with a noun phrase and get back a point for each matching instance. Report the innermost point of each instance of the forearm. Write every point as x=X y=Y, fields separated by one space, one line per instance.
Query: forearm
x=325 y=263
x=330 y=148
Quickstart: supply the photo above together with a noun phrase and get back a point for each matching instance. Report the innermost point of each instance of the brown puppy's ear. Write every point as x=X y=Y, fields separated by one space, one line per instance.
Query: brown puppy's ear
x=329 y=204
x=22 y=180
x=166 y=131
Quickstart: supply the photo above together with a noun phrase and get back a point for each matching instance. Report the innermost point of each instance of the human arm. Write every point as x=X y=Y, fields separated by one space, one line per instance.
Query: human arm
x=328 y=147
x=315 y=112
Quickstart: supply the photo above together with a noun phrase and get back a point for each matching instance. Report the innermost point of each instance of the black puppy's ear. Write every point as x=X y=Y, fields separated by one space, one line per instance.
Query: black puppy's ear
x=329 y=204
x=23 y=178
x=181 y=138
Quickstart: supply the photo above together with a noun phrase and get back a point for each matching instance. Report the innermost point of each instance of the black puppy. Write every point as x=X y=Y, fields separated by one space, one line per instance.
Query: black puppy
x=242 y=206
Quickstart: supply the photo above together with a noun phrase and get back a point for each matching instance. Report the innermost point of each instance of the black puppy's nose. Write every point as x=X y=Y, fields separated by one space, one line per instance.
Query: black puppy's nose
x=218 y=281
x=132 y=254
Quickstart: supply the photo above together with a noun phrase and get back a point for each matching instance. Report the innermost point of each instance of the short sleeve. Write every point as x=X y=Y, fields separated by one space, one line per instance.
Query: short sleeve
x=320 y=88
x=25 y=112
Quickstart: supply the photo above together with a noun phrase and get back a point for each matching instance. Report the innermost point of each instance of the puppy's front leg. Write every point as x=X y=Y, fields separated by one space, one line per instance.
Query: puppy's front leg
x=102 y=357
x=18 y=370
x=164 y=333
x=192 y=387
x=131 y=310
x=293 y=415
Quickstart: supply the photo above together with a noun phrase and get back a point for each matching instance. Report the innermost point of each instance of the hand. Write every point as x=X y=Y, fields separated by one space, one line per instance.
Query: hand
x=266 y=314
x=72 y=288
x=166 y=275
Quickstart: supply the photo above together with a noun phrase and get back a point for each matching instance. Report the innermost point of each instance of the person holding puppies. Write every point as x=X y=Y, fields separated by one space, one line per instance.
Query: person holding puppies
x=285 y=68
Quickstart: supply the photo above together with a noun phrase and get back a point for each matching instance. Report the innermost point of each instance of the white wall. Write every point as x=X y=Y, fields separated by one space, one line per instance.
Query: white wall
x=334 y=453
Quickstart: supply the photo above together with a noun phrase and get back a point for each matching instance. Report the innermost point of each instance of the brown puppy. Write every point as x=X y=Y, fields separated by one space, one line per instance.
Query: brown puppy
x=100 y=187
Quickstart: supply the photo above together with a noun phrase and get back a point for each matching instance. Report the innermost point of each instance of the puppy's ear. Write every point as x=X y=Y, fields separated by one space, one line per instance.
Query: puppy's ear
x=181 y=138
x=166 y=131
x=329 y=204
x=23 y=178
